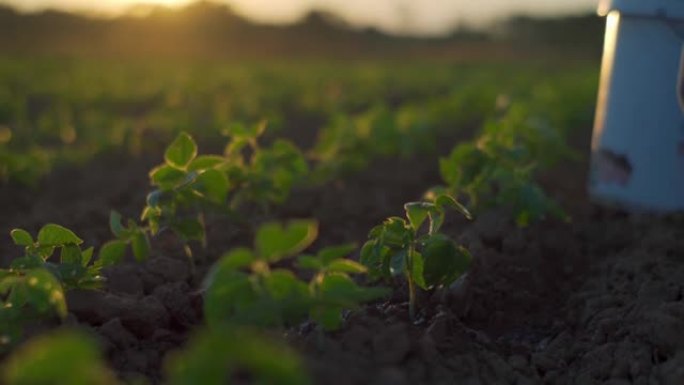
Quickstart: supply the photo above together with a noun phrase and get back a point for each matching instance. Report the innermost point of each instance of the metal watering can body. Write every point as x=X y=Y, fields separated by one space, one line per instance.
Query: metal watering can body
x=638 y=141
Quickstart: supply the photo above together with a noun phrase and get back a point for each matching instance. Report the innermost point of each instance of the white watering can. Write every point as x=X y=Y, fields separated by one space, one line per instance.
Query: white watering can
x=638 y=141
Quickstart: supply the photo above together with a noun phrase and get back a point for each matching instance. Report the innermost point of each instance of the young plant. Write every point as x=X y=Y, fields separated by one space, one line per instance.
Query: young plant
x=27 y=295
x=498 y=168
x=332 y=288
x=63 y=357
x=424 y=257
x=33 y=286
x=188 y=186
x=225 y=354
x=246 y=288
x=74 y=268
x=261 y=175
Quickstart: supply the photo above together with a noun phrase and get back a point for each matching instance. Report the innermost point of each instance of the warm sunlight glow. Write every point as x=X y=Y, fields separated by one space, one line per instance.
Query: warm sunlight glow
x=168 y=3
x=610 y=42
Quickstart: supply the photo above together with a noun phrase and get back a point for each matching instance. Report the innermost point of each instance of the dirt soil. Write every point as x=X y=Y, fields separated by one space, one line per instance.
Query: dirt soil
x=594 y=301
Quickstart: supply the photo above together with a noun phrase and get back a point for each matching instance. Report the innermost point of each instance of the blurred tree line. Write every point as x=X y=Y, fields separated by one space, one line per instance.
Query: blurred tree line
x=209 y=30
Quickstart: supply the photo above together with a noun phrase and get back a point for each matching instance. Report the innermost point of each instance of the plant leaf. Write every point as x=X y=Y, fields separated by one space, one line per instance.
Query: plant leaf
x=417 y=213
x=44 y=292
x=181 y=151
x=112 y=253
x=274 y=241
x=417 y=270
x=56 y=235
x=346 y=266
x=227 y=352
x=309 y=262
x=21 y=237
x=332 y=253
x=141 y=246
x=167 y=177
x=87 y=255
x=60 y=357
x=237 y=258
x=446 y=201
x=205 y=162
x=115 y=224
x=190 y=229
x=397 y=264
x=71 y=254
x=444 y=260
x=214 y=184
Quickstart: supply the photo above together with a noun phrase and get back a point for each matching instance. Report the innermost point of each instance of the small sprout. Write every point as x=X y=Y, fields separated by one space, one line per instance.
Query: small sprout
x=426 y=259
x=245 y=288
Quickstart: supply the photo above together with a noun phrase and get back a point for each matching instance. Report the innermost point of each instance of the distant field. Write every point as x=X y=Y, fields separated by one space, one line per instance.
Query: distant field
x=56 y=111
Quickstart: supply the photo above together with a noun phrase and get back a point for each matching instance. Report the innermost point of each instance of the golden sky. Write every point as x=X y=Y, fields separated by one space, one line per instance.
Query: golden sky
x=422 y=16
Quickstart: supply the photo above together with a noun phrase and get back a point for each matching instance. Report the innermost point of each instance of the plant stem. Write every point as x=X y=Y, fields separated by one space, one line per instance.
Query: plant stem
x=412 y=299
x=411 y=283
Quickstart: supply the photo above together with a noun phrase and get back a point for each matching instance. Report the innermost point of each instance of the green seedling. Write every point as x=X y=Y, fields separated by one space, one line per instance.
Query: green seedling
x=131 y=235
x=225 y=355
x=64 y=357
x=73 y=267
x=33 y=286
x=498 y=169
x=424 y=257
x=188 y=186
x=332 y=289
x=27 y=295
x=261 y=175
x=246 y=288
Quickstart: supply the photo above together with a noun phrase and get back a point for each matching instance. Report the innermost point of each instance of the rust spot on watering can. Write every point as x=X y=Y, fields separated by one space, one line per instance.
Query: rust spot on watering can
x=612 y=167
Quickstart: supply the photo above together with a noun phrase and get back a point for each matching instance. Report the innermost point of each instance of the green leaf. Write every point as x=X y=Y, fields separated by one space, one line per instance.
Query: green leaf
x=340 y=289
x=44 y=292
x=167 y=177
x=215 y=355
x=309 y=262
x=436 y=221
x=214 y=184
x=376 y=257
x=87 y=255
x=274 y=241
x=396 y=232
x=70 y=274
x=397 y=264
x=346 y=266
x=141 y=246
x=206 y=162
x=228 y=293
x=56 y=235
x=190 y=229
x=71 y=254
x=328 y=317
x=112 y=253
x=332 y=253
x=115 y=224
x=283 y=284
x=417 y=270
x=237 y=258
x=290 y=294
x=446 y=201
x=63 y=357
x=27 y=262
x=21 y=237
x=417 y=213
x=181 y=152
x=444 y=261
